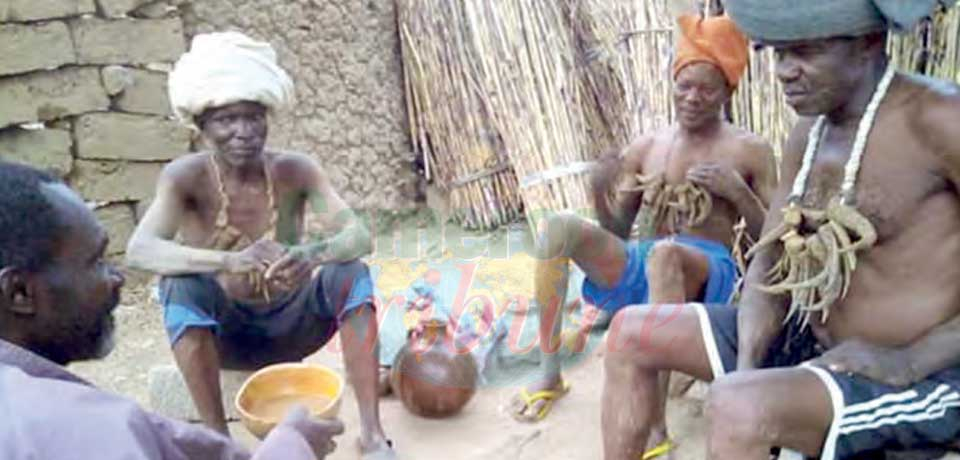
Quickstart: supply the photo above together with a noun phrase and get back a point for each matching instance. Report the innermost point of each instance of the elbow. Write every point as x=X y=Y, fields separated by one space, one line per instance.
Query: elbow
x=133 y=257
x=138 y=254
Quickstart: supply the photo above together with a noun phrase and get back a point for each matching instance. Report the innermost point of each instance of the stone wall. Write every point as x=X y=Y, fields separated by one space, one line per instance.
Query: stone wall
x=344 y=57
x=83 y=95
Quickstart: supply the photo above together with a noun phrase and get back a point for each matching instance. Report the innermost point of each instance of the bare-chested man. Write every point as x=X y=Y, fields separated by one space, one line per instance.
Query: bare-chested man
x=861 y=263
x=722 y=172
x=240 y=285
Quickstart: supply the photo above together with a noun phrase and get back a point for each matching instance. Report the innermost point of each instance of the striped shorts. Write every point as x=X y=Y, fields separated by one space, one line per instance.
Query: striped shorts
x=871 y=417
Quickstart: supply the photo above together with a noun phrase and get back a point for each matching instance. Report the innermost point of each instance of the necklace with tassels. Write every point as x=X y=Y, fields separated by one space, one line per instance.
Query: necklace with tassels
x=816 y=267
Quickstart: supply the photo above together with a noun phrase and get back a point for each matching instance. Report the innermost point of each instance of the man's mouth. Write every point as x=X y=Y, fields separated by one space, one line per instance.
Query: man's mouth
x=794 y=97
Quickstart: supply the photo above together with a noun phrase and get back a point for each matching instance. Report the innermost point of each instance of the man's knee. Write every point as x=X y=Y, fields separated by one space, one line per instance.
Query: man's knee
x=351 y=269
x=642 y=336
x=556 y=235
x=732 y=409
x=341 y=277
x=665 y=258
x=196 y=345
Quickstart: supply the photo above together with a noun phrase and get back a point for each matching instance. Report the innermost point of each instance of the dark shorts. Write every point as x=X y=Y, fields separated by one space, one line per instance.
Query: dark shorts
x=287 y=329
x=872 y=417
x=632 y=289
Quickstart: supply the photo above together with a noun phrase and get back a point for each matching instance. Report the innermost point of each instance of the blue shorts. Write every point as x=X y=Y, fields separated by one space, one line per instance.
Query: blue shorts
x=632 y=289
x=873 y=418
x=287 y=329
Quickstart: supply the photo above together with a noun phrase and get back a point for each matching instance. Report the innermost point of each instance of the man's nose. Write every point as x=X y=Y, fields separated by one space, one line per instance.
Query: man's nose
x=693 y=95
x=245 y=128
x=787 y=69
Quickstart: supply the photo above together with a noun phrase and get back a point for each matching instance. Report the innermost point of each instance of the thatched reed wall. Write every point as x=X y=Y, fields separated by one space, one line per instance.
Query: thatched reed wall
x=510 y=101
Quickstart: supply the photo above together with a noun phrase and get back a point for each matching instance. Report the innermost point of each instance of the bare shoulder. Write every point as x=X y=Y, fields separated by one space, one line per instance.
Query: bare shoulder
x=796 y=146
x=186 y=172
x=297 y=168
x=934 y=113
x=639 y=147
x=749 y=146
x=635 y=153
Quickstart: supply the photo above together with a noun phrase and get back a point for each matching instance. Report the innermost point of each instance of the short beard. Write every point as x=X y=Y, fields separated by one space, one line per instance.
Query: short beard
x=103 y=342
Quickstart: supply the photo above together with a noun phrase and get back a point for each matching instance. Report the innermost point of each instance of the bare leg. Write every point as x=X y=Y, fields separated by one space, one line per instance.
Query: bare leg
x=361 y=359
x=675 y=274
x=199 y=362
x=791 y=405
x=642 y=341
x=600 y=254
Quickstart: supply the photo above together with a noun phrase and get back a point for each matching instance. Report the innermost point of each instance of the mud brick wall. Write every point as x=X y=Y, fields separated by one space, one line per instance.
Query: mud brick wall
x=344 y=57
x=83 y=93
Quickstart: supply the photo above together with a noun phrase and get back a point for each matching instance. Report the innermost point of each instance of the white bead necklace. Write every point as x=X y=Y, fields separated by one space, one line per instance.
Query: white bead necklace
x=848 y=189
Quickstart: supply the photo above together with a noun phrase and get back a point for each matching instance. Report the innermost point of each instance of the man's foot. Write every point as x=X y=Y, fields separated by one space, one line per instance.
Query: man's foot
x=379 y=449
x=220 y=426
x=659 y=446
x=680 y=385
x=534 y=403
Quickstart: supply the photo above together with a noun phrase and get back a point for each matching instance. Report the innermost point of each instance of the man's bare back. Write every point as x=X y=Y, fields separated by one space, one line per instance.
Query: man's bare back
x=907 y=283
x=667 y=152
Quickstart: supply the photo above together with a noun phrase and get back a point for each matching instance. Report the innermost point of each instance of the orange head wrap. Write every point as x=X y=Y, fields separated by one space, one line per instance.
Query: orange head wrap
x=715 y=40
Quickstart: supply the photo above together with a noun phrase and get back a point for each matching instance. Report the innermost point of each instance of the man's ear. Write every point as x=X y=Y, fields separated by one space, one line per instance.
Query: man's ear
x=16 y=291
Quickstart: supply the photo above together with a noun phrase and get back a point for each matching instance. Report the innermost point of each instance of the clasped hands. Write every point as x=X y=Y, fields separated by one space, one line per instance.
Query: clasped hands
x=282 y=267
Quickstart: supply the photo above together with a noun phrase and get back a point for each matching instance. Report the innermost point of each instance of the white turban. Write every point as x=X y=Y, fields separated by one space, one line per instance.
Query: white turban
x=224 y=68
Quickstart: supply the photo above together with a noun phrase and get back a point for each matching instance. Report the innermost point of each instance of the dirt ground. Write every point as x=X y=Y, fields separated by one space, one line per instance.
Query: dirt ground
x=484 y=429
x=499 y=271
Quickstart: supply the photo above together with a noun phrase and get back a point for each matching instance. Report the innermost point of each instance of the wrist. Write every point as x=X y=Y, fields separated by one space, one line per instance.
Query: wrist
x=226 y=261
x=912 y=367
x=315 y=253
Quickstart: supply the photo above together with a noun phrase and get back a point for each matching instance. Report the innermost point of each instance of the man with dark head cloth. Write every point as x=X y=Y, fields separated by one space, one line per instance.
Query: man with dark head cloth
x=846 y=340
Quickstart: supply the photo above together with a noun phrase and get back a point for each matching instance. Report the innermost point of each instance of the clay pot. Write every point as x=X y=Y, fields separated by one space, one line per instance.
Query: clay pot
x=431 y=375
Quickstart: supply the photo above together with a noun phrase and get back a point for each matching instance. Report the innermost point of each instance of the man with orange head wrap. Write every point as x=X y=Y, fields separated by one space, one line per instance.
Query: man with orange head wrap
x=694 y=180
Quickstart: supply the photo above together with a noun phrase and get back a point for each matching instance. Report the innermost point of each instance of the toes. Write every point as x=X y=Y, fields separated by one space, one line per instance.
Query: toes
x=522 y=412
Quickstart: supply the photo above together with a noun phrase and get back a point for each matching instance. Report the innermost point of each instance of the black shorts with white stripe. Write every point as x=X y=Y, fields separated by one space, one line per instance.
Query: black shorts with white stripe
x=873 y=418
x=877 y=417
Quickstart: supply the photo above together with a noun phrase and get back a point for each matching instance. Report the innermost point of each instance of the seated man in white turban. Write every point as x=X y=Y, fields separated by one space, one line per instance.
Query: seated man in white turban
x=243 y=284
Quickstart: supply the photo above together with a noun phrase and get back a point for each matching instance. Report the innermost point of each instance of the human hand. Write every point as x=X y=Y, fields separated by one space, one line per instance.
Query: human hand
x=319 y=434
x=719 y=179
x=256 y=257
x=290 y=270
x=889 y=366
x=603 y=180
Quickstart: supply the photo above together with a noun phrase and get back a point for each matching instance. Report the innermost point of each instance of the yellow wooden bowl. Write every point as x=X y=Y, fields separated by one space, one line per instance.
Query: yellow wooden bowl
x=268 y=394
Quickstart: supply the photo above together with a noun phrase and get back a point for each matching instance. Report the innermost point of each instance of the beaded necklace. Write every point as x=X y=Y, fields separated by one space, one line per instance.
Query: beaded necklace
x=848 y=189
x=815 y=268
